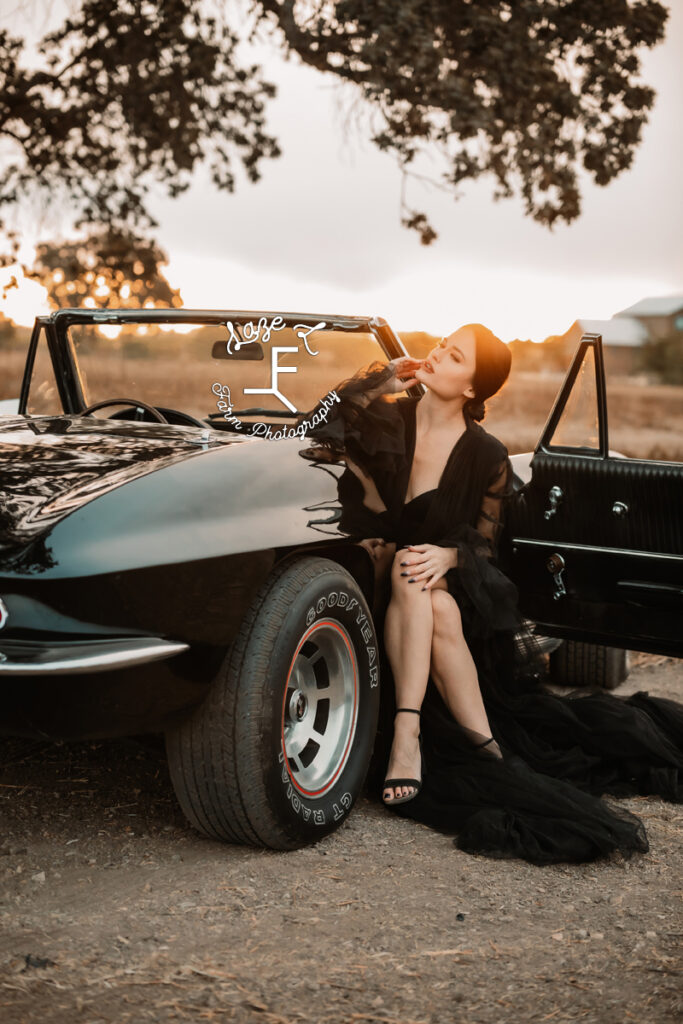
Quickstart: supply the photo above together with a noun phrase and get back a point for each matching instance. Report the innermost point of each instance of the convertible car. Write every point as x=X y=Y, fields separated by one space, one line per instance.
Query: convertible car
x=177 y=557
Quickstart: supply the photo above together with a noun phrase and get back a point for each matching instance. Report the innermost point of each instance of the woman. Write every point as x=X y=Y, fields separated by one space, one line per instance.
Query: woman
x=510 y=767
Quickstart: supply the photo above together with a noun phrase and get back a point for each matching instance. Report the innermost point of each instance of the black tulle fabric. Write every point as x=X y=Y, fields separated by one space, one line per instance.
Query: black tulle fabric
x=542 y=801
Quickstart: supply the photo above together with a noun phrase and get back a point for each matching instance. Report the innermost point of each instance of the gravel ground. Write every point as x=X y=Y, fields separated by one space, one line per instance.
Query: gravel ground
x=113 y=910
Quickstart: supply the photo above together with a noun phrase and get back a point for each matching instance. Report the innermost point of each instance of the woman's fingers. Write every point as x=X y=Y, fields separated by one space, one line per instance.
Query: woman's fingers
x=424 y=564
x=416 y=570
x=435 y=577
x=406 y=366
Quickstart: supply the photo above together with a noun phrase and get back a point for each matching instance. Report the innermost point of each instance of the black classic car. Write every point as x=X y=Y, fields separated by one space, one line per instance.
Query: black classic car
x=594 y=540
x=176 y=556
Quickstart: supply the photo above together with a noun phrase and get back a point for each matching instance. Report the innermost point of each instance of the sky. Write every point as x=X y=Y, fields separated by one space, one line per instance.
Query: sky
x=321 y=231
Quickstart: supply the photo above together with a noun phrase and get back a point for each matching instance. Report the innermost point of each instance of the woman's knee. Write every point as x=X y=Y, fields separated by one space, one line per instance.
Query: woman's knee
x=400 y=575
x=447 y=620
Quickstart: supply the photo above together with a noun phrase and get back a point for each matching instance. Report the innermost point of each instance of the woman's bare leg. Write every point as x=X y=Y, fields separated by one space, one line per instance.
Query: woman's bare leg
x=408 y=643
x=453 y=669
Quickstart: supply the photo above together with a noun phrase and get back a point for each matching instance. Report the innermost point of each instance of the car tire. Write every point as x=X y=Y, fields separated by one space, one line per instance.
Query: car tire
x=575 y=663
x=277 y=753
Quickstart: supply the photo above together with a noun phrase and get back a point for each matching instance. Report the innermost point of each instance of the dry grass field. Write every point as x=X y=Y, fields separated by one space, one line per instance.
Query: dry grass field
x=644 y=421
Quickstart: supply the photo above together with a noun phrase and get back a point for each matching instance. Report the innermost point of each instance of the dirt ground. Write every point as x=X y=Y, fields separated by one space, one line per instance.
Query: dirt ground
x=113 y=910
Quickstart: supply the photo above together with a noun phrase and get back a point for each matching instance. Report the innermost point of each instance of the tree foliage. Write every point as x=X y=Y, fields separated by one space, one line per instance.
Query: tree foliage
x=527 y=92
x=128 y=94
x=105 y=268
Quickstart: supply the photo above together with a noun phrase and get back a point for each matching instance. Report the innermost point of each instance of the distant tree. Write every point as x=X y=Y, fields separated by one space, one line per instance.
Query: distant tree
x=106 y=268
x=136 y=91
x=664 y=357
x=128 y=93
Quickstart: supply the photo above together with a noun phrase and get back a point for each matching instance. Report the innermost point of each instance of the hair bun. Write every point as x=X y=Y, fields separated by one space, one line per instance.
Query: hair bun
x=474 y=409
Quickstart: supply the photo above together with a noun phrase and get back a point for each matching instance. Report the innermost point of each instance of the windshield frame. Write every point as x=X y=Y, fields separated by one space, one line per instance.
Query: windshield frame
x=65 y=363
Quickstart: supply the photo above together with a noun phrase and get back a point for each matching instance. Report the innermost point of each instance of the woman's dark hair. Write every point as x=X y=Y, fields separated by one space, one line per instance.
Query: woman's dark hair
x=491 y=368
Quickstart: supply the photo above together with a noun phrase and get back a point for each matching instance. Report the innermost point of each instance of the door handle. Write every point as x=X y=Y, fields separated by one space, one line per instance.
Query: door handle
x=555 y=566
x=555 y=496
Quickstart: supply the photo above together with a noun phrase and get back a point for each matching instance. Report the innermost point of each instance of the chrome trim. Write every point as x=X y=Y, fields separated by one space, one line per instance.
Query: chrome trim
x=548 y=644
x=555 y=496
x=613 y=453
x=37 y=659
x=321 y=712
x=4 y=614
x=566 y=545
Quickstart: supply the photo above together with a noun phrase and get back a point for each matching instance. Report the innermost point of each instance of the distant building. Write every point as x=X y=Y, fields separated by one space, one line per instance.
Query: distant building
x=661 y=315
x=622 y=340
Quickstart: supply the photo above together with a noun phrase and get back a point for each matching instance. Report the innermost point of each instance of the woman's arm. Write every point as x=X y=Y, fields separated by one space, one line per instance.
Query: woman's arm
x=371 y=433
x=391 y=378
x=490 y=521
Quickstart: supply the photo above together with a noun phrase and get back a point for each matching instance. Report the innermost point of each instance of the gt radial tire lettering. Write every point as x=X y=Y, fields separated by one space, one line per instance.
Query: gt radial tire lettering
x=345 y=801
x=306 y=813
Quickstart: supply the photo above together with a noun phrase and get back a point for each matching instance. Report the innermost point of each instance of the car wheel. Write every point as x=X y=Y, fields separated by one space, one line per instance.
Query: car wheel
x=278 y=752
x=580 y=664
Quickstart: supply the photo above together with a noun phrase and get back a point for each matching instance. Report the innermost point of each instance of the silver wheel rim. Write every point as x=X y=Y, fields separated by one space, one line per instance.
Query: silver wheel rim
x=320 y=708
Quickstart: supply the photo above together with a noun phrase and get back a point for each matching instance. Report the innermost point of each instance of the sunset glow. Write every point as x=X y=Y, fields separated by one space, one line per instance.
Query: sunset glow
x=513 y=303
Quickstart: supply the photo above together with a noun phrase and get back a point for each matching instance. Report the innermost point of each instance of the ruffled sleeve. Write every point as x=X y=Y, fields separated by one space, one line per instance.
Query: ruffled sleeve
x=491 y=598
x=361 y=421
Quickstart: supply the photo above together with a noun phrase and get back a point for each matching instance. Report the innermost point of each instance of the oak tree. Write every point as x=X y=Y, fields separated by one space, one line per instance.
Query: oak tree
x=126 y=95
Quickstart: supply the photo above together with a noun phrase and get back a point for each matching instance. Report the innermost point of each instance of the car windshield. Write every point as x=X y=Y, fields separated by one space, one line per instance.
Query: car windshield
x=261 y=367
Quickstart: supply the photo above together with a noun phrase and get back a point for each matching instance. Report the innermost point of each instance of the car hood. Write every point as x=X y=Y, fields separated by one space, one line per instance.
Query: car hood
x=51 y=465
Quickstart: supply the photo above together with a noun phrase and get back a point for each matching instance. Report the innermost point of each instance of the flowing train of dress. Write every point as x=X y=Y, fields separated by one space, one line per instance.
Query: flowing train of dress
x=561 y=753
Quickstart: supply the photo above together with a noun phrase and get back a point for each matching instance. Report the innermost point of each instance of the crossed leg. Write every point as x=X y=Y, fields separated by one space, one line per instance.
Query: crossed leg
x=422 y=635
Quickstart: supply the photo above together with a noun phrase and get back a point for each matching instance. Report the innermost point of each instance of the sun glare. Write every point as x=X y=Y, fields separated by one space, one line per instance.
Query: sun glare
x=25 y=301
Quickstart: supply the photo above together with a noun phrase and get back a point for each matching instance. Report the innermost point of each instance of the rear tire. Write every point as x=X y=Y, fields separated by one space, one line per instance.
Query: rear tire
x=278 y=752
x=580 y=664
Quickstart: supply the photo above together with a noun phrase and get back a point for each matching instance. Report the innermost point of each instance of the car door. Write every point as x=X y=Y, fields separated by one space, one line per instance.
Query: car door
x=595 y=538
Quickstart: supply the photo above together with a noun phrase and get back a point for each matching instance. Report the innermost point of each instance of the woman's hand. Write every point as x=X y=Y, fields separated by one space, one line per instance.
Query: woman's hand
x=382 y=554
x=404 y=369
x=427 y=563
x=374 y=546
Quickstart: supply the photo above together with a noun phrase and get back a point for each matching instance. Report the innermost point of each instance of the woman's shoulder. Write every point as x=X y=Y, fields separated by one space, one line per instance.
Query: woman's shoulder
x=489 y=443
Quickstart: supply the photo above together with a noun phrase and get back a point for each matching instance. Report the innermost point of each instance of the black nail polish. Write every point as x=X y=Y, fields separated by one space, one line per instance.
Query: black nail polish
x=404 y=574
x=411 y=580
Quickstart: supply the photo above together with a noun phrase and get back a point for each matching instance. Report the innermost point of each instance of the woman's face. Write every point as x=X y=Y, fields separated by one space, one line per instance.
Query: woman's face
x=449 y=367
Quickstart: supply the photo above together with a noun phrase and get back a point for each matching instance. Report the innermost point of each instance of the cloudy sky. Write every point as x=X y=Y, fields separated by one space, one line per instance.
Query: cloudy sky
x=321 y=231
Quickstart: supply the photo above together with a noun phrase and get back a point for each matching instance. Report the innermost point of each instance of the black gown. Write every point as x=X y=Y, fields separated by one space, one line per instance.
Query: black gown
x=542 y=801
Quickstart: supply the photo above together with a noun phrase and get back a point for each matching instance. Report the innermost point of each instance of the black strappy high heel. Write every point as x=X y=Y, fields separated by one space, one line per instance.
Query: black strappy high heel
x=415 y=783
x=483 y=743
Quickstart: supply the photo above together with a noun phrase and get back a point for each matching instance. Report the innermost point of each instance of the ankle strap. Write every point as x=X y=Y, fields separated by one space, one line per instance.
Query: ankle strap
x=413 y=711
